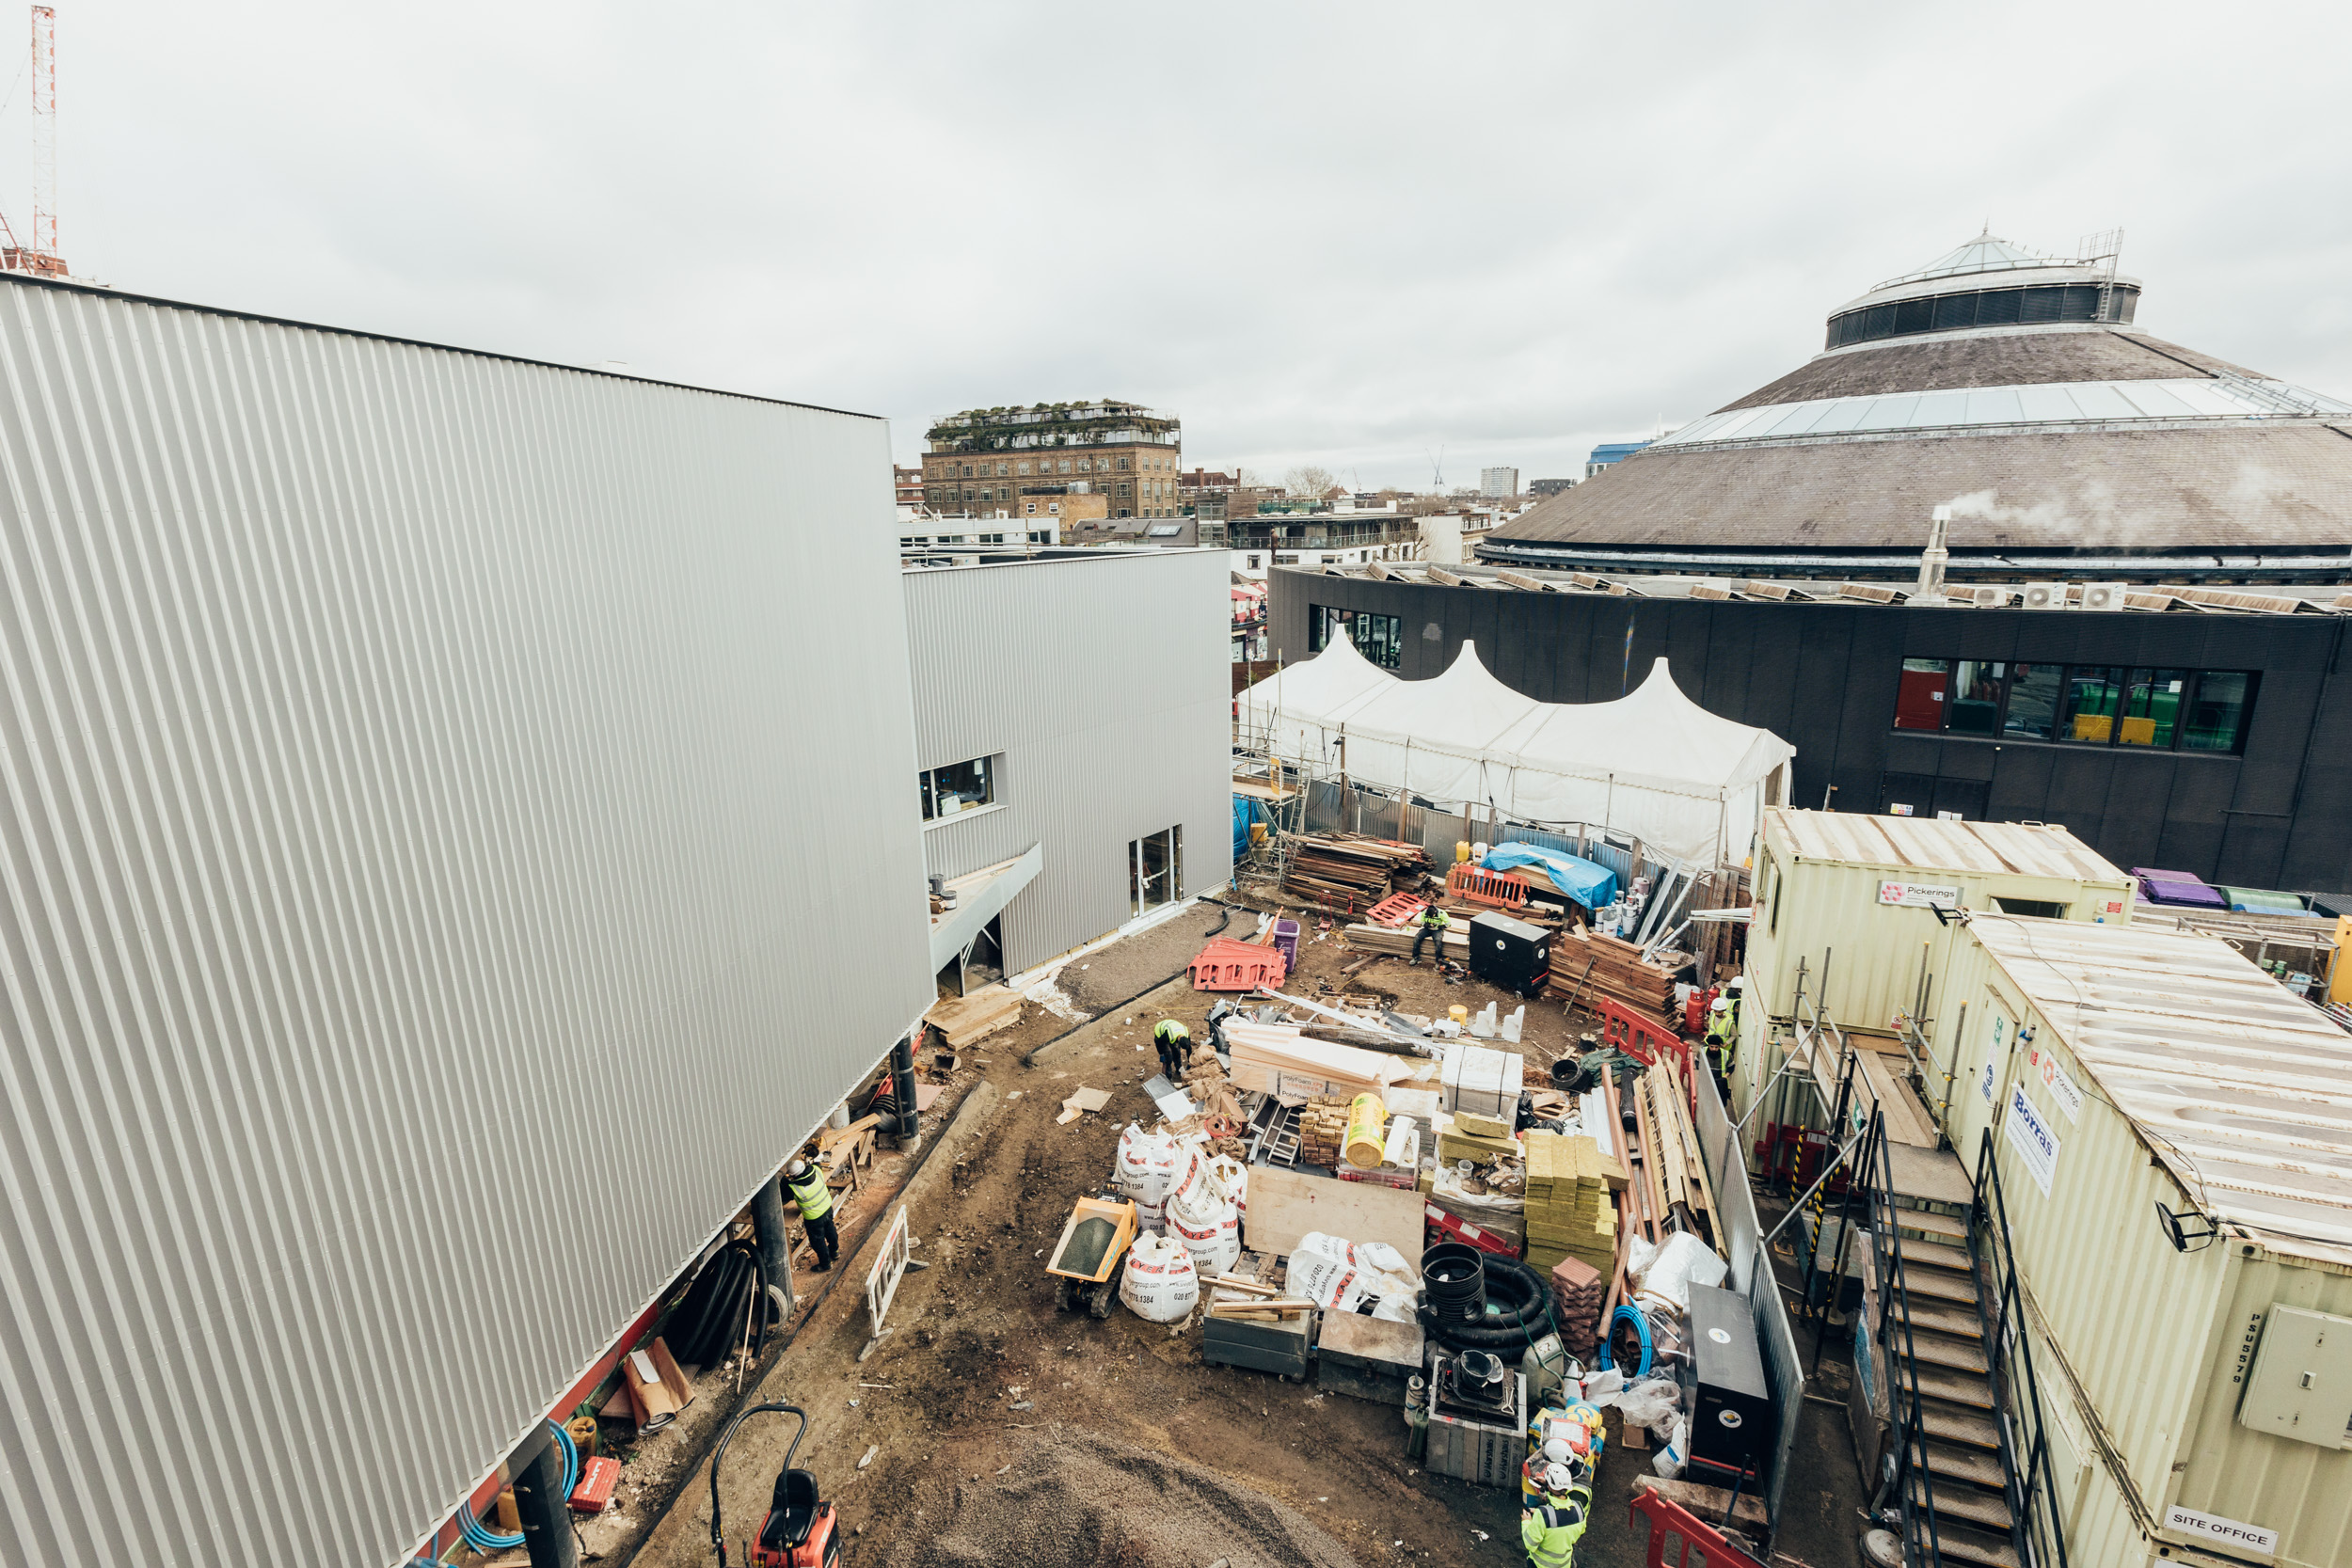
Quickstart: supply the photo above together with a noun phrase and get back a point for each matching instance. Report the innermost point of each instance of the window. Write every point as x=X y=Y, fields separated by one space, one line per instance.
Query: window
x=1021 y=467
x=1122 y=465
x=1379 y=638
x=950 y=791
x=2086 y=707
x=1065 y=464
x=2151 y=708
x=1123 y=488
x=2038 y=908
x=1041 y=537
x=1156 y=869
x=1919 y=693
x=1290 y=557
x=2090 y=704
x=992 y=538
x=1253 y=562
x=2217 y=717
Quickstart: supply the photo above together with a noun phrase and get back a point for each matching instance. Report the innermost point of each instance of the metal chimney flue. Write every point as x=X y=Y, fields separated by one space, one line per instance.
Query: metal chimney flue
x=1932 y=559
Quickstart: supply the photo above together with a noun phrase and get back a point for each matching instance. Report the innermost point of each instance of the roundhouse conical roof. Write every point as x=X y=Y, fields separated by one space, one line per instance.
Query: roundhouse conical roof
x=2015 y=389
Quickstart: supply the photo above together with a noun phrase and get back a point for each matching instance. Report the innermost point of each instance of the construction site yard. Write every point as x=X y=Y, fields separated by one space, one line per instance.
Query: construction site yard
x=988 y=1427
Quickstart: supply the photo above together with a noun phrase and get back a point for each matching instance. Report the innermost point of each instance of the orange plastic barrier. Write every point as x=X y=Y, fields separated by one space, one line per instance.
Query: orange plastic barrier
x=1500 y=890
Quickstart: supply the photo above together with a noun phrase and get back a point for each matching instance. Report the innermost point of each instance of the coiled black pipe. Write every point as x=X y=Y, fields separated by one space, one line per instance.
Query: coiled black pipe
x=1519 y=1303
x=710 y=1320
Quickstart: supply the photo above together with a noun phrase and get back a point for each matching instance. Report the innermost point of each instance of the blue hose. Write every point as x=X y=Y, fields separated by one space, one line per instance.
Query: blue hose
x=1627 y=1313
x=485 y=1540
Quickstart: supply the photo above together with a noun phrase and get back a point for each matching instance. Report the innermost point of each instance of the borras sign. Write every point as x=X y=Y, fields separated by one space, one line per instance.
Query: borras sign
x=1919 y=895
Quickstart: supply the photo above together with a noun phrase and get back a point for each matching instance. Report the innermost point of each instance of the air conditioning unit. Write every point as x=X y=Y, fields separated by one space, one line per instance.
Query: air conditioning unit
x=1990 y=597
x=2046 y=596
x=2103 y=595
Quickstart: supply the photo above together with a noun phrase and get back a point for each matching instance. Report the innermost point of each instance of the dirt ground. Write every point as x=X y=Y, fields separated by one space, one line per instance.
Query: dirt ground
x=989 y=1427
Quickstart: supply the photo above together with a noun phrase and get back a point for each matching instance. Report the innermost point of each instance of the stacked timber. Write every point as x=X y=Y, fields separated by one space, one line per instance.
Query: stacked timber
x=1670 y=1190
x=1398 y=940
x=962 y=1019
x=1569 y=1212
x=1279 y=1059
x=1348 y=871
x=1616 y=971
x=1322 y=1124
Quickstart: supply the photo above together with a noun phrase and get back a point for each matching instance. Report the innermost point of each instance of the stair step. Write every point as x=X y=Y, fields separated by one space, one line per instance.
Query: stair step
x=1938 y=1285
x=1962 y=1463
x=1953 y=1500
x=1947 y=1424
x=1961 y=1322
x=1971 y=1391
x=1938 y=1350
x=1958 y=1544
x=1952 y=1227
x=1936 y=1255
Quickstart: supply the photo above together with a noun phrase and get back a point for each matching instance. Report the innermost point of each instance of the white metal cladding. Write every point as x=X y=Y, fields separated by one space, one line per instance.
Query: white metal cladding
x=1104 y=682
x=416 y=805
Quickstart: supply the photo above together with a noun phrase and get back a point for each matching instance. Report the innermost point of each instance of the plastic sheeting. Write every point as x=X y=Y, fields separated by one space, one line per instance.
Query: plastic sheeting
x=1691 y=784
x=1590 y=885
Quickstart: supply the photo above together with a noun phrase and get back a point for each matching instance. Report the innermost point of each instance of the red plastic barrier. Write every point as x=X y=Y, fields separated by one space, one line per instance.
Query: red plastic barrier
x=1228 y=965
x=1701 y=1546
x=1398 y=908
x=1455 y=1229
x=1500 y=890
x=1648 y=1041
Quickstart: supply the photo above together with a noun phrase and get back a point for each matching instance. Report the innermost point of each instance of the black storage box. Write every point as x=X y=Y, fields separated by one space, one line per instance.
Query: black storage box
x=1732 y=1426
x=1509 y=954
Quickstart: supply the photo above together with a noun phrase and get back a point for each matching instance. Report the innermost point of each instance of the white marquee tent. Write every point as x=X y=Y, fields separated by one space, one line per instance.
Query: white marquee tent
x=1654 y=765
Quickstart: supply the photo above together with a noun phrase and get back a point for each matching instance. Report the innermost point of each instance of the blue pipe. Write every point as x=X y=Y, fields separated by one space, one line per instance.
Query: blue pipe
x=485 y=1540
x=1627 y=1313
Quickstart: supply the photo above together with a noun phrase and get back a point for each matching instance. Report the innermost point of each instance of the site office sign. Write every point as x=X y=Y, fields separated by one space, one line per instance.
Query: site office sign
x=1920 y=896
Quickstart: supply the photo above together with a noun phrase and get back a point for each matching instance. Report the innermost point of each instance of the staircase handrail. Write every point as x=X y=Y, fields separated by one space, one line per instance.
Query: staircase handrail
x=1905 y=1402
x=2032 y=1484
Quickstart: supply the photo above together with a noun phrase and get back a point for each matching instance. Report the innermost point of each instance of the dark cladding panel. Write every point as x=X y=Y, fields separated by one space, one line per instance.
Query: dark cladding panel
x=2021 y=785
x=2195 y=810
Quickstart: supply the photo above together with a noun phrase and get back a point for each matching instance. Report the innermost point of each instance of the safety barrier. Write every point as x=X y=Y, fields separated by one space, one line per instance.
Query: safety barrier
x=1646 y=1040
x=1701 y=1546
x=1228 y=965
x=1398 y=908
x=1500 y=890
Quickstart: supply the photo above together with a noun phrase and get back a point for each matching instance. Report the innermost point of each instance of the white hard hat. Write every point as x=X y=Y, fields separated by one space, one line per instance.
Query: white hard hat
x=797 y=1168
x=1557 y=1479
x=1556 y=1450
x=1721 y=1005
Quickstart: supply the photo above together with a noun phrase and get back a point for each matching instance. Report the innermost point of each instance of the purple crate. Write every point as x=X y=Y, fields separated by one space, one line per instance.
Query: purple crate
x=2177 y=888
x=1286 y=938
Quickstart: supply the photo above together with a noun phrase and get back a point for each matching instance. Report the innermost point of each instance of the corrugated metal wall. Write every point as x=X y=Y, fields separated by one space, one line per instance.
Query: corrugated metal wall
x=446 y=863
x=1106 y=685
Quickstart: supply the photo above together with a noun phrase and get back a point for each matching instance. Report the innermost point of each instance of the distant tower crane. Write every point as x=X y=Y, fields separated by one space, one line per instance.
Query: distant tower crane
x=41 y=257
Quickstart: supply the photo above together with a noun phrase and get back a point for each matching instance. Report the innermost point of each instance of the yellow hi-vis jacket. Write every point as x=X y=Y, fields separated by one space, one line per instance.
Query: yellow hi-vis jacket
x=811 y=1194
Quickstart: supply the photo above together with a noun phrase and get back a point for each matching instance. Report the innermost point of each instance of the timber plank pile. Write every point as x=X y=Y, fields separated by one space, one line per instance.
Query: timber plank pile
x=1618 y=971
x=1669 y=1190
x=1348 y=871
x=962 y=1019
x=1398 y=940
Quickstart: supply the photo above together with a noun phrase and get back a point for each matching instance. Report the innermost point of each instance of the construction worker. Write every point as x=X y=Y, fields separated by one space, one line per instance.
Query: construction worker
x=1550 y=1528
x=1722 y=1031
x=807 y=1186
x=1560 y=1450
x=1435 y=923
x=1175 y=1043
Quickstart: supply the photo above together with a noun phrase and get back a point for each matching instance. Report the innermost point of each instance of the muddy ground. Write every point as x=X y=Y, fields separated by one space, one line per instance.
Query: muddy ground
x=996 y=1423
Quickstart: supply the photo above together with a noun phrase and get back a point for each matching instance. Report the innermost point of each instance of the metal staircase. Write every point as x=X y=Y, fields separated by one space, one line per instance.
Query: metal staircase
x=1967 y=1468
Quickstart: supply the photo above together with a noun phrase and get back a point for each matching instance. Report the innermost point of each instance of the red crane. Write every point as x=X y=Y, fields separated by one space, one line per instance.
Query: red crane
x=41 y=257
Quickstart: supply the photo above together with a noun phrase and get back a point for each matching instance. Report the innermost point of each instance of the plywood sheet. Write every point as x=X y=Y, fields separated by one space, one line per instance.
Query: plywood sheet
x=1284 y=1205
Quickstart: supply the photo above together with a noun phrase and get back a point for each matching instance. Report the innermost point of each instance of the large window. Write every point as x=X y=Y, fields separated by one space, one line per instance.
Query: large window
x=1156 y=869
x=1379 y=638
x=2089 y=705
x=951 y=791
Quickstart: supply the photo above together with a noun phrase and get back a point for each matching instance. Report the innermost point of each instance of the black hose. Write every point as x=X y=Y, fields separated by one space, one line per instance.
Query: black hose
x=1518 y=1300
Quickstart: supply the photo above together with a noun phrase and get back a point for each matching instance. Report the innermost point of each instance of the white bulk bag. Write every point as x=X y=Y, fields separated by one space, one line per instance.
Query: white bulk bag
x=1158 y=1282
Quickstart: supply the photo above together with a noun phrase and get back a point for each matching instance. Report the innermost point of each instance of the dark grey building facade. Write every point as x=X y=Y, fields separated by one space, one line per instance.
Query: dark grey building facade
x=2258 y=793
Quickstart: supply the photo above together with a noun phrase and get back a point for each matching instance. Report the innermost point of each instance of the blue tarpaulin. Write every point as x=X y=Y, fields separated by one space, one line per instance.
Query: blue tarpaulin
x=1590 y=885
x=1246 y=811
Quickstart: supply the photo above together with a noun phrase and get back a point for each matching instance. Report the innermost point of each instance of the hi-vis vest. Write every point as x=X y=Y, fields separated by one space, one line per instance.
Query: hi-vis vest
x=811 y=1194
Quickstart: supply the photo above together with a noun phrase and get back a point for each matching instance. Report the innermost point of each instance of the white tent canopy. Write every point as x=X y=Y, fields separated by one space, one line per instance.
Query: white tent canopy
x=1687 y=783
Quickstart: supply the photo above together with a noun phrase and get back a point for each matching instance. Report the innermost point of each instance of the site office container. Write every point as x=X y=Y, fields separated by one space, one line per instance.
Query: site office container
x=1857 y=890
x=2117 y=1069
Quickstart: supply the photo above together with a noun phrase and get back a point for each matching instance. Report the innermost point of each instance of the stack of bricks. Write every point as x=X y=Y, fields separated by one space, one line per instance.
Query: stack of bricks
x=1580 y=1291
x=1570 y=1213
x=1478 y=1139
x=1322 y=1124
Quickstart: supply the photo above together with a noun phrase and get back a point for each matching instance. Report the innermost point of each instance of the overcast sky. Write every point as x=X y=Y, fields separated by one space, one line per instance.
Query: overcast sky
x=1347 y=234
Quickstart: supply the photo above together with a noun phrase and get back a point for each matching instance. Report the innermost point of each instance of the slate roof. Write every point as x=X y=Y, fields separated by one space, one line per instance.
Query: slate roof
x=2286 y=486
x=1935 y=364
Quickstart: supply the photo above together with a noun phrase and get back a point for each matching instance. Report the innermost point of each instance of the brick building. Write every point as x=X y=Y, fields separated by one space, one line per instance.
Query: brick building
x=991 y=460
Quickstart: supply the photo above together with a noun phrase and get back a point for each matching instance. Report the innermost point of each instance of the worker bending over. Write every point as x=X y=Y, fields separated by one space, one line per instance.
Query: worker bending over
x=807 y=1186
x=1435 y=923
x=1175 y=1043
x=1550 y=1526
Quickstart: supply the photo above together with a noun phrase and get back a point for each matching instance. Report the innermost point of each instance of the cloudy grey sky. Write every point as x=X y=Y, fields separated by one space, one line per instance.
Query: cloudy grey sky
x=1342 y=234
